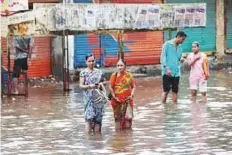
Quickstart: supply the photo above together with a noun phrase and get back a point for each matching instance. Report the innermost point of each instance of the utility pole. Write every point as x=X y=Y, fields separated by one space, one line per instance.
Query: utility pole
x=220 y=30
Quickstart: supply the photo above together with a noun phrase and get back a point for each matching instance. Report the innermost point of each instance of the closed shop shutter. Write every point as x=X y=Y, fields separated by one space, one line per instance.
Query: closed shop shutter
x=206 y=36
x=3 y=44
x=229 y=24
x=85 y=44
x=140 y=48
x=109 y=46
x=40 y=64
x=144 y=47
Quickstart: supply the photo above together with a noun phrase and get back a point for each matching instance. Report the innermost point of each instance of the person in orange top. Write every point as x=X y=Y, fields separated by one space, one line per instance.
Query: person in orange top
x=122 y=88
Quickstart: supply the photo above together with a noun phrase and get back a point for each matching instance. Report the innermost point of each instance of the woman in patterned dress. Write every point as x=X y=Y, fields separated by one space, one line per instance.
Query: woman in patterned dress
x=90 y=80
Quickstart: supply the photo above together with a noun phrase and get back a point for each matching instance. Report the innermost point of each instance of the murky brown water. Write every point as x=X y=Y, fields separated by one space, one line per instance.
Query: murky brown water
x=51 y=122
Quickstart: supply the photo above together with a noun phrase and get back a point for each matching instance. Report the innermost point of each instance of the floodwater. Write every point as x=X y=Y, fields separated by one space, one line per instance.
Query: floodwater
x=51 y=122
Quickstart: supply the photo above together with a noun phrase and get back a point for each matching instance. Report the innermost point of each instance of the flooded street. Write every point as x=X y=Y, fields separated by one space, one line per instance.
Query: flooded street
x=51 y=122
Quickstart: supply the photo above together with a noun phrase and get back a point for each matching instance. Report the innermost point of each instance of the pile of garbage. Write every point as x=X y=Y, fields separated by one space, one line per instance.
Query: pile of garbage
x=44 y=81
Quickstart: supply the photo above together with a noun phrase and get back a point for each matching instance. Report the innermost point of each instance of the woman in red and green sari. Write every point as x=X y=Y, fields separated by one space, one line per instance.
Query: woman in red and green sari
x=122 y=88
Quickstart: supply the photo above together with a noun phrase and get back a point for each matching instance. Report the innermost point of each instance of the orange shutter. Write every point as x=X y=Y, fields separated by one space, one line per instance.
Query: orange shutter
x=40 y=65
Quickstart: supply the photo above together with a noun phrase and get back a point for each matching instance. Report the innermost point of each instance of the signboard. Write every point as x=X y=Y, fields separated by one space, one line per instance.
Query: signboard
x=13 y=5
x=44 y=15
x=88 y=17
x=21 y=23
x=123 y=16
x=21 y=17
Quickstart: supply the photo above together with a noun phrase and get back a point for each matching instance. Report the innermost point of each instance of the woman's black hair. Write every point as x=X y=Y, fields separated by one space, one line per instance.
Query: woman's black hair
x=89 y=55
x=122 y=61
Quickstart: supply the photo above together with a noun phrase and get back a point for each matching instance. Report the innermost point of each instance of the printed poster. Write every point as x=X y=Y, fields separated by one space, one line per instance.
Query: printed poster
x=167 y=16
x=119 y=17
x=76 y=17
x=130 y=12
x=44 y=14
x=103 y=17
x=189 y=21
x=179 y=20
x=90 y=17
x=153 y=17
x=200 y=15
x=111 y=20
x=60 y=17
x=141 y=21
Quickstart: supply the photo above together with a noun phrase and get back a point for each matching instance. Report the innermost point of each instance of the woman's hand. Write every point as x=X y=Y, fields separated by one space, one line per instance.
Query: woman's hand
x=206 y=77
x=182 y=60
x=93 y=86
x=130 y=97
x=169 y=72
x=197 y=58
x=116 y=99
x=100 y=85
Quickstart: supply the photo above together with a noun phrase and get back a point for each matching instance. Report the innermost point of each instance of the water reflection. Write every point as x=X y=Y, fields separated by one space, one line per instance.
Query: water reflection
x=51 y=122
